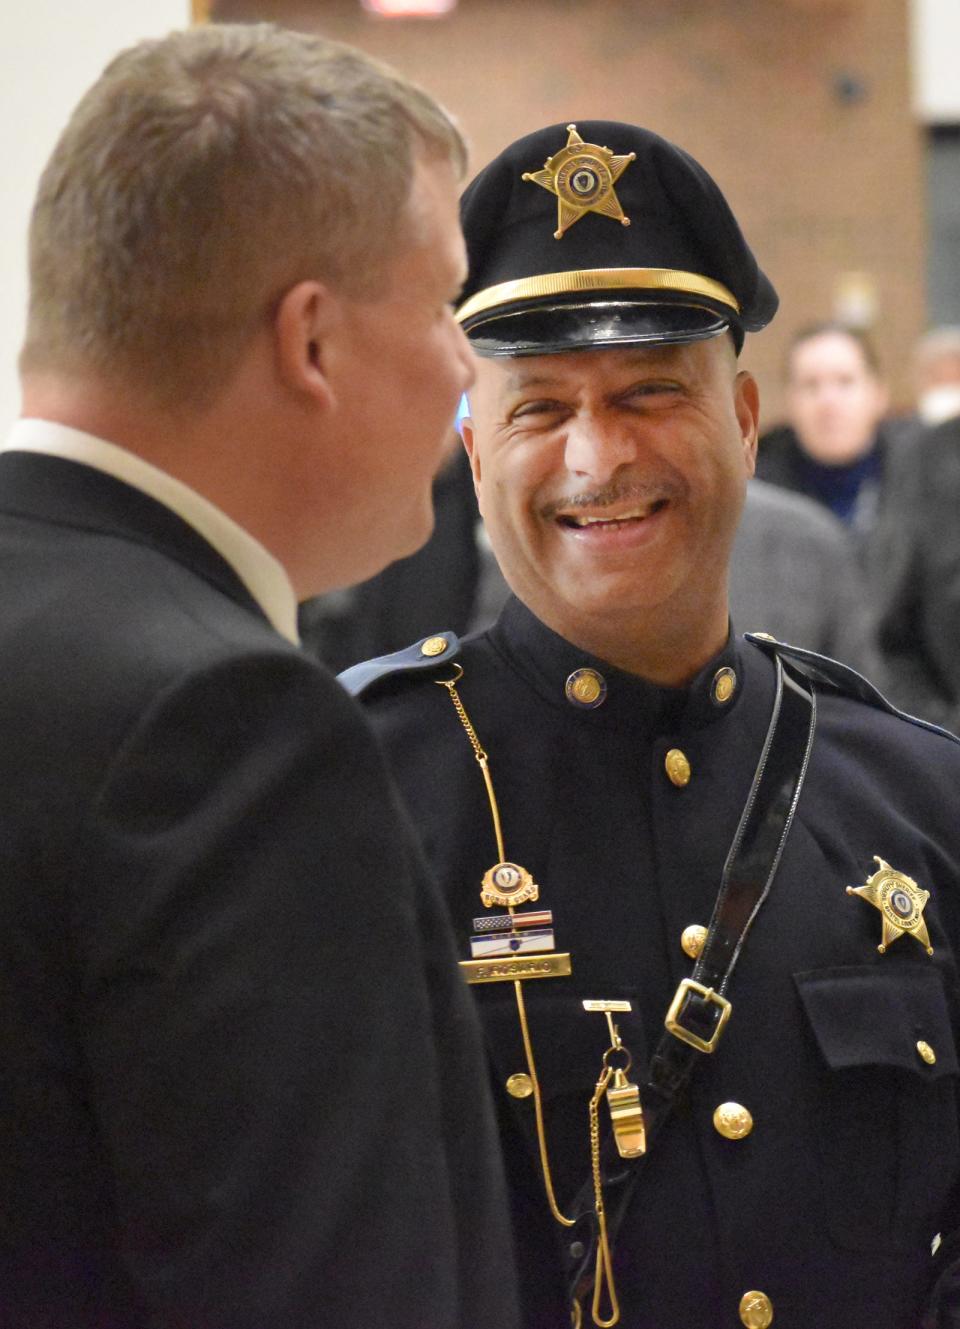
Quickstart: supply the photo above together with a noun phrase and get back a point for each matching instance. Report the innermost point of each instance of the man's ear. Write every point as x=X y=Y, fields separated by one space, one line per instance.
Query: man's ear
x=306 y=316
x=469 y=437
x=747 y=402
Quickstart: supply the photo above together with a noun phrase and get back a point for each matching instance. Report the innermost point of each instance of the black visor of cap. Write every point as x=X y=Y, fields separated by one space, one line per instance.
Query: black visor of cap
x=664 y=259
x=551 y=328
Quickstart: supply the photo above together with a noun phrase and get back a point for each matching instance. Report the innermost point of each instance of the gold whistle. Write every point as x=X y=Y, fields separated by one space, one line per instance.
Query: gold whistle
x=623 y=1096
x=626 y=1115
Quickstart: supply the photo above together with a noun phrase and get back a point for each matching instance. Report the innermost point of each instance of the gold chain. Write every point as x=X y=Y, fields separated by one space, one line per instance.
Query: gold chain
x=603 y=1273
x=483 y=761
x=538 y=1110
x=604 y=1269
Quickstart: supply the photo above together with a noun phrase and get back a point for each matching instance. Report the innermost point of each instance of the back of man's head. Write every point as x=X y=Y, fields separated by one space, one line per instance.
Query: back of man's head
x=198 y=179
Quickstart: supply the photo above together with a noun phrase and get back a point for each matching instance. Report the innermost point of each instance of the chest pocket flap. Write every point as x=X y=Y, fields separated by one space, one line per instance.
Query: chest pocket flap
x=887 y=1120
x=872 y=1016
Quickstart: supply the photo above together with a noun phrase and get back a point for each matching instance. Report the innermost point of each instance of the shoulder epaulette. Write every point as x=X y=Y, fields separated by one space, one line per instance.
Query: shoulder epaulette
x=439 y=649
x=840 y=677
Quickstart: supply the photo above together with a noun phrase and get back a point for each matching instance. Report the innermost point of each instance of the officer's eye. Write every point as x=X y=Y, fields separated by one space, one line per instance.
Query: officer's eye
x=650 y=389
x=543 y=406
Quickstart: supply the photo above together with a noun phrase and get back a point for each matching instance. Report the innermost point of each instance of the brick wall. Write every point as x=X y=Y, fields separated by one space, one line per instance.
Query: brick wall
x=799 y=108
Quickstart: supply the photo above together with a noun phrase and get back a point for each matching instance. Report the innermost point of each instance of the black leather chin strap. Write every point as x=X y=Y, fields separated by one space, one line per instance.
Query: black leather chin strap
x=700 y=1007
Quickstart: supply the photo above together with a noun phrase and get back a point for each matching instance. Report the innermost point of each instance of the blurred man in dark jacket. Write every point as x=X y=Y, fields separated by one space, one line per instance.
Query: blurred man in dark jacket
x=915 y=579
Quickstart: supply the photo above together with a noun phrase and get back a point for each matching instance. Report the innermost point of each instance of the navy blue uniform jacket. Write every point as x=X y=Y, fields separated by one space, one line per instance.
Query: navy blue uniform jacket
x=241 y=1085
x=831 y=1205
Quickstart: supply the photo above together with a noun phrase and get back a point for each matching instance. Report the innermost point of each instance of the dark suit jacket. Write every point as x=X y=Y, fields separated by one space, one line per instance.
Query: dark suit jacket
x=239 y=1075
x=916 y=578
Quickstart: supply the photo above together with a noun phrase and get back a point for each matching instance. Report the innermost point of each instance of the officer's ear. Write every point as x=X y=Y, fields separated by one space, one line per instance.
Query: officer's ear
x=306 y=319
x=469 y=437
x=747 y=406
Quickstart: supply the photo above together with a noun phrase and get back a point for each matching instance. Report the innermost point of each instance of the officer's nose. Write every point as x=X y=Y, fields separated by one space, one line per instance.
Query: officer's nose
x=596 y=448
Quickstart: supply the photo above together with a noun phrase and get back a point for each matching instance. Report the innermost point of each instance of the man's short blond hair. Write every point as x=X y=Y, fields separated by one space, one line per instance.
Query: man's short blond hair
x=202 y=176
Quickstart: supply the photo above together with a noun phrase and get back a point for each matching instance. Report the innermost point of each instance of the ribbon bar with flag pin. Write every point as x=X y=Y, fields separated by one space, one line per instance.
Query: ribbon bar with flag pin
x=533 y=918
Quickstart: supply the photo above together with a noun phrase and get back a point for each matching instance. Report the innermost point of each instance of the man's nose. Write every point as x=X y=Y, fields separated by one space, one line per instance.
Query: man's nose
x=596 y=447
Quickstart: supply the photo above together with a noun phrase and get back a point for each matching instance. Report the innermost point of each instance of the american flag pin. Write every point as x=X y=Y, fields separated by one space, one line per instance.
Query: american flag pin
x=533 y=918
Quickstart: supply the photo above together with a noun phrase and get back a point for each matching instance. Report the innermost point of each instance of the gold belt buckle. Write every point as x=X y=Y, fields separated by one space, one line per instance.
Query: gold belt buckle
x=686 y=988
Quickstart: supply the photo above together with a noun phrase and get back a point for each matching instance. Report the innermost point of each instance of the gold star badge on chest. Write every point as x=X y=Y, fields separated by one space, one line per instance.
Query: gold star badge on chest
x=900 y=901
x=582 y=175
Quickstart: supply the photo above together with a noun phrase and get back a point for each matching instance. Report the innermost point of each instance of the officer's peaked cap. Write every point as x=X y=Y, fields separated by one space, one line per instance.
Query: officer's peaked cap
x=603 y=234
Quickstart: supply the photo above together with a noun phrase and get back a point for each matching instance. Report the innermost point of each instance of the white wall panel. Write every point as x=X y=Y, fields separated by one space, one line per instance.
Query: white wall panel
x=936 y=60
x=52 y=50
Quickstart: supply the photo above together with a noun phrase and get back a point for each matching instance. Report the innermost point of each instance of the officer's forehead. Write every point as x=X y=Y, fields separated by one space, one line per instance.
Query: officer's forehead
x=515 y=373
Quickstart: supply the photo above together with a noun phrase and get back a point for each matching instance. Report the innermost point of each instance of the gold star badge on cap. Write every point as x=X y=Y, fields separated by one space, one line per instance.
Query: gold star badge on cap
x=582 y=175
x=900 y=901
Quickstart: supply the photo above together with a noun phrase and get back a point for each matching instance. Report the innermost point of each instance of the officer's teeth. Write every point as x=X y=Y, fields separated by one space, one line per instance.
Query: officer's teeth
x=603 y=521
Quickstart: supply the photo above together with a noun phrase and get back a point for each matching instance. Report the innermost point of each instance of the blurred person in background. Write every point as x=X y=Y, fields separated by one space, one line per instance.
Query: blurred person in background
x=834 y=447
x=936 y=367
x=914 y=578
x=936 y=381
x=913 y=563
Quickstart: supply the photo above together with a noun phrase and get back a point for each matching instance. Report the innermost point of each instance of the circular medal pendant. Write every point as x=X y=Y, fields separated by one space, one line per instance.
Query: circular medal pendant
x=508 y=884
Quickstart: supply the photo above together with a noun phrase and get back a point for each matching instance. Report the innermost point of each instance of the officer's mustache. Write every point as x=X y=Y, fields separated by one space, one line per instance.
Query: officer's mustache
x=646 y=492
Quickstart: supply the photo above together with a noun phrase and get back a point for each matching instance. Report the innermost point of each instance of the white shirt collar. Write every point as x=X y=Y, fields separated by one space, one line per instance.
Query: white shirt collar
x=264 y=577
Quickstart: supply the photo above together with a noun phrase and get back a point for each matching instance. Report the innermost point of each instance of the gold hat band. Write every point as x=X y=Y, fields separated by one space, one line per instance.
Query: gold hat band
x=595 y=279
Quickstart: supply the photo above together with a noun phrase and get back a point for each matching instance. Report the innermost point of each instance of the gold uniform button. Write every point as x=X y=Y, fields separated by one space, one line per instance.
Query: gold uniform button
x=586 y=688
x=756 y=1310
x=926 y=1052
x=724 y=686
x=520 y=1086
x=677 y=768
x=733 y=1121
x=692 y=939
x=434 y=646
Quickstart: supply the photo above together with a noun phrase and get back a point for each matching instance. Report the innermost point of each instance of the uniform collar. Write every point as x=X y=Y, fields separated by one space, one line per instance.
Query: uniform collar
x=597 y=693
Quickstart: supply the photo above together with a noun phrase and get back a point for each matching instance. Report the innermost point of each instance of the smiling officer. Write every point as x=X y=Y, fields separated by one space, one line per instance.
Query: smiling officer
x=706 y=886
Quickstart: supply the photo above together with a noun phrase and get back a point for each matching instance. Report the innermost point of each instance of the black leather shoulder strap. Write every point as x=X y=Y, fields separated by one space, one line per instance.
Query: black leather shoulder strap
x=820 y=669
x=701 y=1005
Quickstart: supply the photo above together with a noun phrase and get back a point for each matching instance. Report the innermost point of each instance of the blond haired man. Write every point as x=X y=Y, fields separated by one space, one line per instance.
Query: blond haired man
x=241 y=1081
